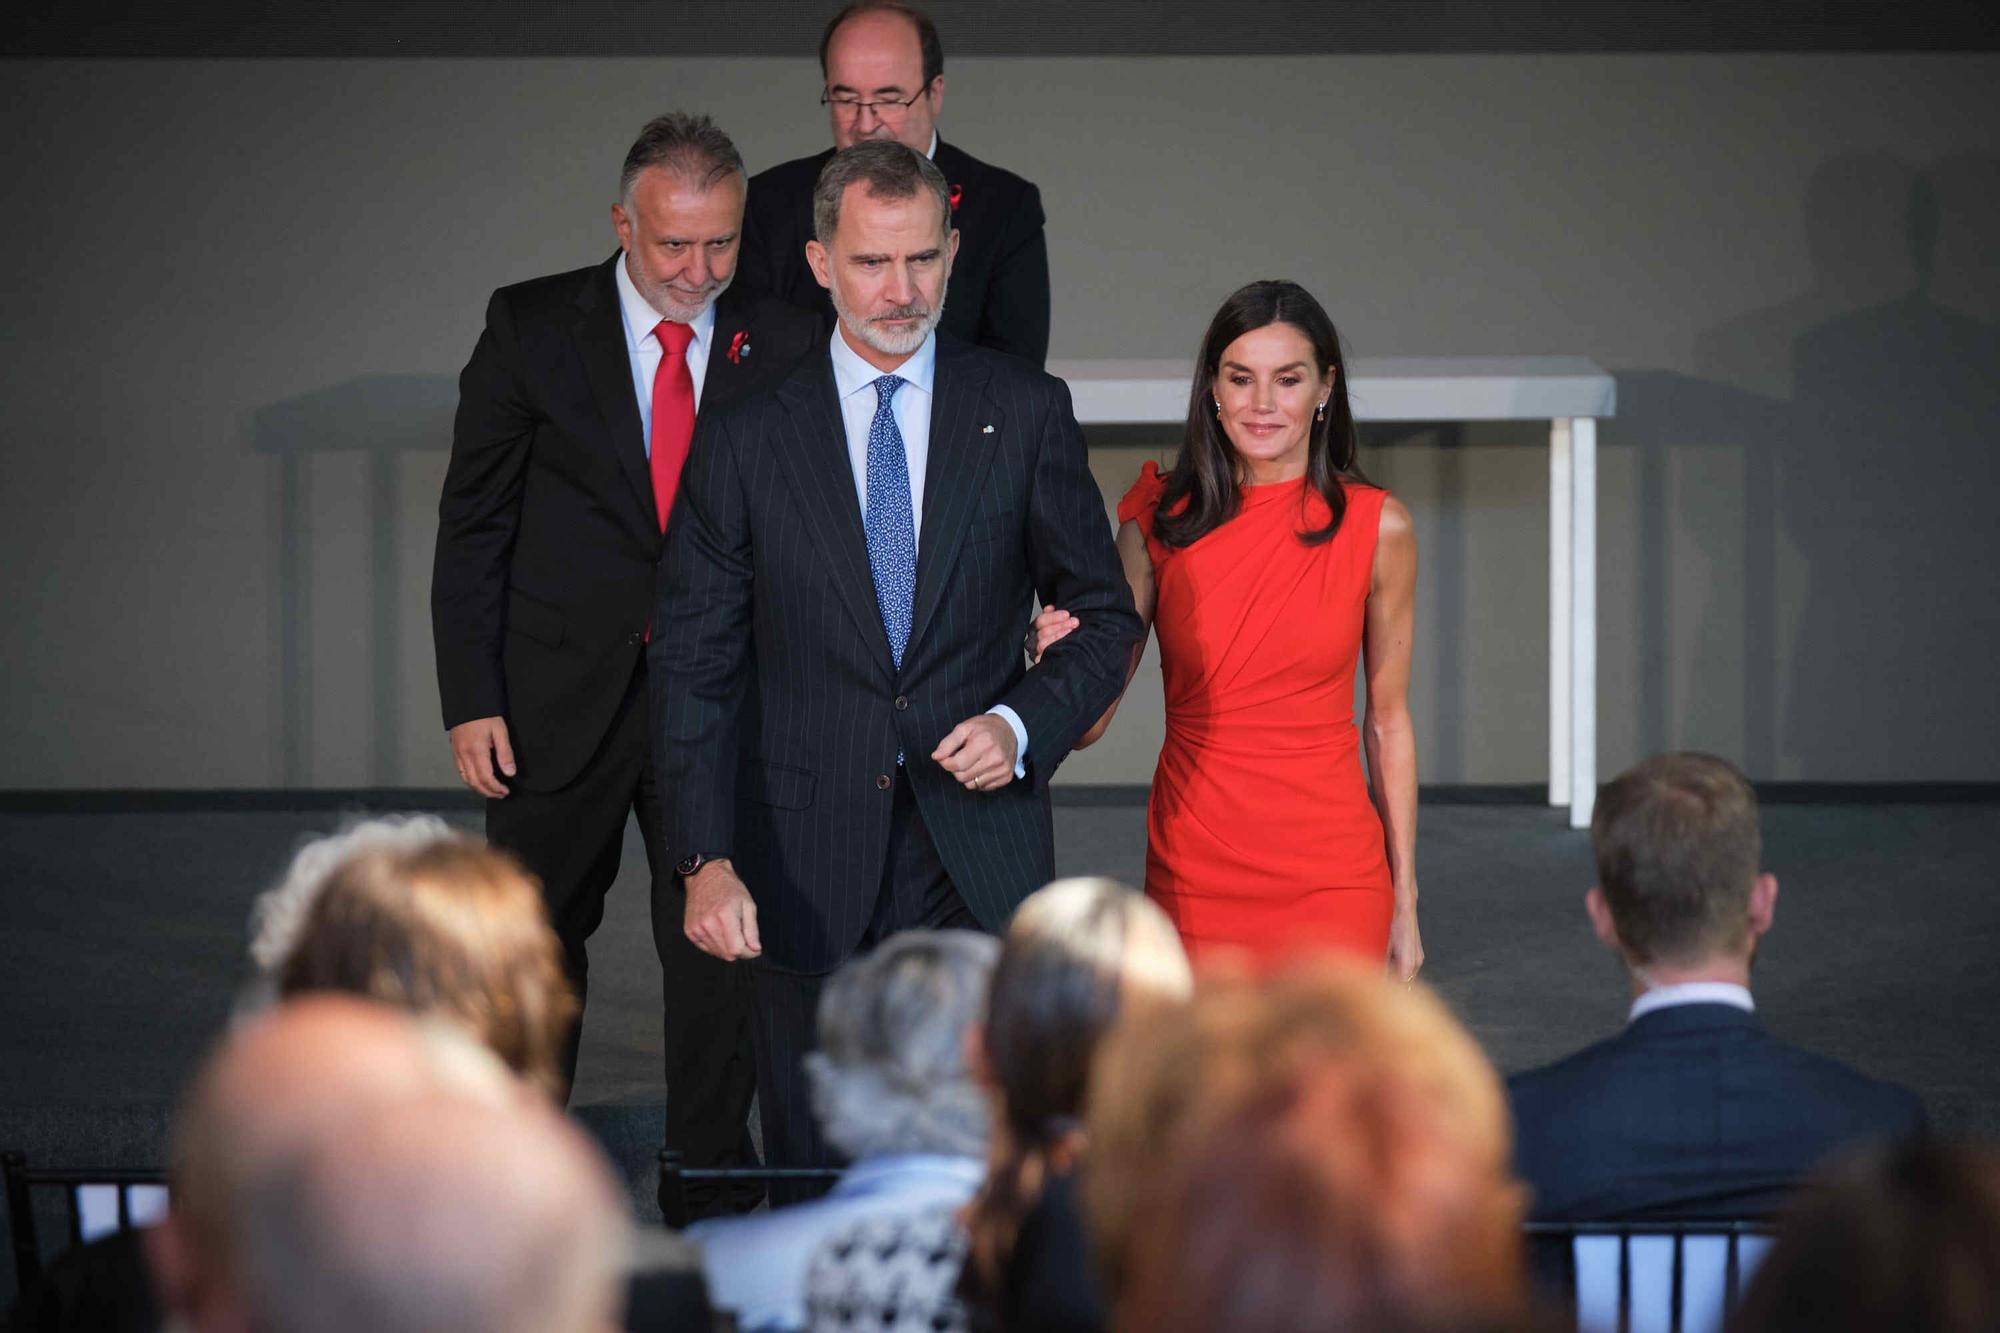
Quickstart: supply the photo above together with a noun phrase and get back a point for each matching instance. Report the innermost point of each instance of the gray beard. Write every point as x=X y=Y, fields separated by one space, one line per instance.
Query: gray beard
x=888 y=344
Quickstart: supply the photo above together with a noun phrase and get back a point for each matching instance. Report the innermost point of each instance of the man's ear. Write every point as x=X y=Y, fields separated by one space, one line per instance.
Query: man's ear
x=937 y=99
x=170 y=1261
x=950 y=250
x=621 y=222
x=1763 y=904
x=820 y=262
x=978 y=1061
x=1599 y=912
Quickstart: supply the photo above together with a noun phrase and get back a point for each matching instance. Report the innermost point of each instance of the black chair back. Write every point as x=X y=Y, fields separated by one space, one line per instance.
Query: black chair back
x=95 y=1202
x=675 y=1176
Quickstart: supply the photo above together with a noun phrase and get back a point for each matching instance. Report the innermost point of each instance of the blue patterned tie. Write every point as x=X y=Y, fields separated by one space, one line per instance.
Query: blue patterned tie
x=891 y=526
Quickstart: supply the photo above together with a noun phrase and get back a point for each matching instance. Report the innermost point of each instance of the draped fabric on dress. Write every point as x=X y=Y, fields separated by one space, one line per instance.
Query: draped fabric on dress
x=1261 y=837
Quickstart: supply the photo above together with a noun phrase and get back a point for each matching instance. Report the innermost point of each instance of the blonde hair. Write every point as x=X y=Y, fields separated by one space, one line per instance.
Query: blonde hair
x=1338 y=1135
x=450 y=928
x=1076 y=954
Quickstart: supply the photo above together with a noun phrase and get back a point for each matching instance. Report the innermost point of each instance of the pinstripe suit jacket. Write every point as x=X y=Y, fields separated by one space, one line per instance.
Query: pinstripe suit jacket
x=777 y=709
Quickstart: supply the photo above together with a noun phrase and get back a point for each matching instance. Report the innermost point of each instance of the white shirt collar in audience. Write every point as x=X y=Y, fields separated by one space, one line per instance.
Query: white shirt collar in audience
x=931 y=152
x=1692 y=992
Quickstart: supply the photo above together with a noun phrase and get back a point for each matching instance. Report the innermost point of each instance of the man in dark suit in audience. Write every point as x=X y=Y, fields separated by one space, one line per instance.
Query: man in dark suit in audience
x=883 y=67
x=849 y=741
x=574 y=418
x=1694 y=1110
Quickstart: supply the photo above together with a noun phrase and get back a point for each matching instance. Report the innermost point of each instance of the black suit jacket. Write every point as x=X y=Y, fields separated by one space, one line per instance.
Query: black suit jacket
x=1692 y=1111
x=777 y=708
x=998 y=295
x=547 y=542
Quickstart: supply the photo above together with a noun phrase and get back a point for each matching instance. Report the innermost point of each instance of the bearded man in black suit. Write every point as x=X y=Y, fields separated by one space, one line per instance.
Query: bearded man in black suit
x=574 y=418
x=850 y=742
x=883 y=67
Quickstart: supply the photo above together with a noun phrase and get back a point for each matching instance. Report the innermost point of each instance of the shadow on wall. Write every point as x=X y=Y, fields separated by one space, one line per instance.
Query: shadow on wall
x=379 y=420
x=1863 y=417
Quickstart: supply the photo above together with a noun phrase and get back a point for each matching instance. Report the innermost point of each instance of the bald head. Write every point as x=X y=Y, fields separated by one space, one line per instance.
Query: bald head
x=441 y=1214
x=264 y=1096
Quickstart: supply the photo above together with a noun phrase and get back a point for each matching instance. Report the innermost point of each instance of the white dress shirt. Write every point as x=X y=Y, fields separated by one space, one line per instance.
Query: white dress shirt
x=1692 y=992
x=854 y=382
x=854 y=385
x=643 y=350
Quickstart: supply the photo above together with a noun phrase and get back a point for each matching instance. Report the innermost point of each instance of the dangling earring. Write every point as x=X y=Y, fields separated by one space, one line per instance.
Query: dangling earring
x=1218 y=408
x=1321 y=414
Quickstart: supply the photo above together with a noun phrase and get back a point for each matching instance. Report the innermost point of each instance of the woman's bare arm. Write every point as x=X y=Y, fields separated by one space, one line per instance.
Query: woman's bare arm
x=1053 y=622
x=1386 y=730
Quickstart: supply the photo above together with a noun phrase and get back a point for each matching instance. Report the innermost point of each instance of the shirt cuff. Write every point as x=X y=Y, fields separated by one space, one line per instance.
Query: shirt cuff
x=1013 y=720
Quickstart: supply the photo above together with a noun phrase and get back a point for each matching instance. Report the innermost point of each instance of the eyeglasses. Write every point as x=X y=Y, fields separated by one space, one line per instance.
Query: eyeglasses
x=887 y=108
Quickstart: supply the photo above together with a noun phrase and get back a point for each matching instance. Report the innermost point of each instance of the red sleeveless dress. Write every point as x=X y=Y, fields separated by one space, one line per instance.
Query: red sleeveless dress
x=1261 y=838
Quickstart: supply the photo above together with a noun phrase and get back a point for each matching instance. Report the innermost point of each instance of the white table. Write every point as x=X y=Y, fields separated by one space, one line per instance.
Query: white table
x=1571 y=393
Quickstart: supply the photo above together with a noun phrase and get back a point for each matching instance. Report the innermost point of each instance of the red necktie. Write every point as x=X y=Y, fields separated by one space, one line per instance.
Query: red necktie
x=673 y=414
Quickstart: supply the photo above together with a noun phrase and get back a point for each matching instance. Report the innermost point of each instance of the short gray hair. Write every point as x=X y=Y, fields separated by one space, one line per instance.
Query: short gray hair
x=692 y=147
x=889 y=170
x=890 y=1074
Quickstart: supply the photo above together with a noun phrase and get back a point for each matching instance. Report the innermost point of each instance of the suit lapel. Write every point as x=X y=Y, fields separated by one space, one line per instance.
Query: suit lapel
x=823 y=484
x=600 y=339
x=965 y=430
x=729 y=350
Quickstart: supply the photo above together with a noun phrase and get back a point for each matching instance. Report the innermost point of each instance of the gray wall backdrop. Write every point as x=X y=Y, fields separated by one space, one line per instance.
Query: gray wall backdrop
x=238 y=293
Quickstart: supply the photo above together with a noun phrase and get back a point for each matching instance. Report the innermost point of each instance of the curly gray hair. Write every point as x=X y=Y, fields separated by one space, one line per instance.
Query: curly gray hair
x=890 y=1075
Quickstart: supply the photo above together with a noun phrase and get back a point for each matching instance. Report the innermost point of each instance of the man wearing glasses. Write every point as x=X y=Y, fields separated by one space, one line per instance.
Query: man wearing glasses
x=884 y=72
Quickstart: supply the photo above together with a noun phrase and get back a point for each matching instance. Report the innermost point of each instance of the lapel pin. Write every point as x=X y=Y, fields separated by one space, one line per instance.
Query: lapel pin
x=986 y=430
x=739 y=347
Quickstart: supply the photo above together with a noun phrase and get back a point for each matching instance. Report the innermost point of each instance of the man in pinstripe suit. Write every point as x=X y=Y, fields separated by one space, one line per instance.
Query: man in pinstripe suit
x=847 y=736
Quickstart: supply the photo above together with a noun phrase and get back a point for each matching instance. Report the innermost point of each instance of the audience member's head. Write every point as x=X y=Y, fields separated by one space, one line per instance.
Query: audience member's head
x=272 y=1087
x=445 y=927
x=1075 y=954
x=1905 y=1237
x=440 y=1214
x=1324 y=1150
x=1680 y=894
x=890 y=1075
x=280 y=912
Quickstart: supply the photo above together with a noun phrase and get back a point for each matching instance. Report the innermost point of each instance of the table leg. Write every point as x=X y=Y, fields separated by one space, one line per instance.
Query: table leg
x=1559 y=621
x=1583 y=621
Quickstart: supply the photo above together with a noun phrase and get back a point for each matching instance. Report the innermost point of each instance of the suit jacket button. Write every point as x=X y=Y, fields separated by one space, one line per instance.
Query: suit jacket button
x=882 y=782
x=902 y=703
x=635 y=638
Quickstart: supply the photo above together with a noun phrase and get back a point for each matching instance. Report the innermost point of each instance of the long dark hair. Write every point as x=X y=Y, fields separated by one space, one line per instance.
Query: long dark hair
x=1077 y=953
x=1204 y=491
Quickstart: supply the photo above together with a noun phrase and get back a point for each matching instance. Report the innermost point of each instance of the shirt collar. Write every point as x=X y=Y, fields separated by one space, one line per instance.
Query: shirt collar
x=931 y=152
x=887 y=1170
x=641 y=318
x=1692 y=992
x=851 y=374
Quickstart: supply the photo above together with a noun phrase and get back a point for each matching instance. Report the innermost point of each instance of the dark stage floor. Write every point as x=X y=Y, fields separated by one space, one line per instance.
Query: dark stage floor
x=124 y=933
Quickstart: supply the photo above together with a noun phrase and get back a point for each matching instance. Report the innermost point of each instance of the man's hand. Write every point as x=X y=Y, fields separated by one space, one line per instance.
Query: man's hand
x=979 y=752
x=721 y=918
x=482 y=752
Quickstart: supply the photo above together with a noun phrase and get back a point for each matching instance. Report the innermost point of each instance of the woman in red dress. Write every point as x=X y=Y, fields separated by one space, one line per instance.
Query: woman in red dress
x=1268 y=565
